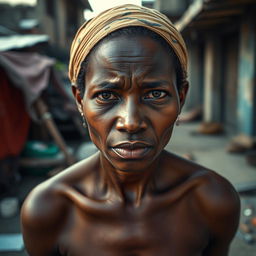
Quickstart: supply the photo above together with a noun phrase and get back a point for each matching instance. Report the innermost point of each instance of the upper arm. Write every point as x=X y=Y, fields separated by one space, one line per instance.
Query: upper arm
x=42 y=218
x=220 y=206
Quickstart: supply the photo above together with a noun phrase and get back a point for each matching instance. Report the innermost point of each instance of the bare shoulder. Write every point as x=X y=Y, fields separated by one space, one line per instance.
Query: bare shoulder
x=42 y=204
x=47 y=198
x=213 y=192
x=46 y=208
x=214 y=196
x=216 y=193
x=218 y=206
x=218 y=198
x=41 y=214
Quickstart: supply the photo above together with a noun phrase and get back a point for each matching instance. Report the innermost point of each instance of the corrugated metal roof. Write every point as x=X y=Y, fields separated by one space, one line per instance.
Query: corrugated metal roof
x=208 y=13
x=4 y=31
x=21 y=41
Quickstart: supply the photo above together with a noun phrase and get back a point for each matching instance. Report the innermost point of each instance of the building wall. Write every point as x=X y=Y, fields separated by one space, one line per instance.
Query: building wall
x=212 y=79
x=246 y=78
x=172 y=8
x=230 y=46
x=196 y=75
x=60 y=19
x=61 y=22
x=46 y=20
x=228 y=73
x=10 y=16
x=74 y=19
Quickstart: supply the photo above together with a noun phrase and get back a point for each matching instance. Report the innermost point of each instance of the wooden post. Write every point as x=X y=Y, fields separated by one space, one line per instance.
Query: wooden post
x=212 y=90
x=53 y=130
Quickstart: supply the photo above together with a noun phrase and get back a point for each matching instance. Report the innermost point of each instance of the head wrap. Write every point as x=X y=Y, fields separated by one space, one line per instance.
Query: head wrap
x=91 y=32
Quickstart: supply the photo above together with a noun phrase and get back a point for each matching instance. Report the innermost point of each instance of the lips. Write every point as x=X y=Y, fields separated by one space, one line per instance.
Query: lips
x=132 y=150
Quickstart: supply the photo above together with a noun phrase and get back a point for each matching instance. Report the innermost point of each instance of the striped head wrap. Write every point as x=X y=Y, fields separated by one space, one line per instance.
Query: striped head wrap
x=91 y=32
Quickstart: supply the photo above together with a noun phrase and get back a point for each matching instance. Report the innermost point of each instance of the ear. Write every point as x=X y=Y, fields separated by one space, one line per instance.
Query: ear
x=78 y=98
x=183 y=93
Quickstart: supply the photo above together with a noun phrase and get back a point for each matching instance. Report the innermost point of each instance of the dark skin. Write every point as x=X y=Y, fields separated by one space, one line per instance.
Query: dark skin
x=132 y=198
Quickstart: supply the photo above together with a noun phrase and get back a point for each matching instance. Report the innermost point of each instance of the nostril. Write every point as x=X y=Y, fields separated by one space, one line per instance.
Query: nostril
x=131 y=125
x=131 y=117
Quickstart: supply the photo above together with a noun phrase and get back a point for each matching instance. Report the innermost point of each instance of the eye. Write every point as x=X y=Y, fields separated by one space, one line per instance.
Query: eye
x=156 y=94
x=106 y=96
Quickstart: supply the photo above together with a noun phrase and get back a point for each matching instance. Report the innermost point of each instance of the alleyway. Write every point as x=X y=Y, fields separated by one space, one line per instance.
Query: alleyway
x=210 y=151
x=206 y=150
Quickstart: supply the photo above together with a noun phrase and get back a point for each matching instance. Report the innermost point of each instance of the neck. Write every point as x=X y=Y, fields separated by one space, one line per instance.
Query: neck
x=130 y=186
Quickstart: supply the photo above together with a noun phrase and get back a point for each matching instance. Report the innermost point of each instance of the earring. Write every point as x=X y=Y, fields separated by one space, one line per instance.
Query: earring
x=83 y=119
x=177 y=121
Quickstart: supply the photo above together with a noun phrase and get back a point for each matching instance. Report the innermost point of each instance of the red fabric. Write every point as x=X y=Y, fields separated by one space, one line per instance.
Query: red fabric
x=14 y=120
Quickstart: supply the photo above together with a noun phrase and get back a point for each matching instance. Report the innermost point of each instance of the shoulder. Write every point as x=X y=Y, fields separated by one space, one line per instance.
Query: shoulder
x=45 y=210
x=216 y=194
x=45 y=201
x=213 y=195
x=213 y=201
x=219 y=205
x=211 y=189
x=41 y=216
x=42 y=204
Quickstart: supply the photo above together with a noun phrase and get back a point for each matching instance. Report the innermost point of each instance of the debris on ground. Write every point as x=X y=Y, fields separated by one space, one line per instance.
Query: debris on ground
x=211 y=128
x=247 y=226
x=194 y=114
x=241 y=143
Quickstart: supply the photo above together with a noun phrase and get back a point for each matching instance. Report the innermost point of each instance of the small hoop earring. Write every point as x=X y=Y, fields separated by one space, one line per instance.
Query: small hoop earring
x=83 y=119
x=177 y=121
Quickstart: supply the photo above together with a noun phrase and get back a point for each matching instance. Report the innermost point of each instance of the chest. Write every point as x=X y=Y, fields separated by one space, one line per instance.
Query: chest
x=171 y=230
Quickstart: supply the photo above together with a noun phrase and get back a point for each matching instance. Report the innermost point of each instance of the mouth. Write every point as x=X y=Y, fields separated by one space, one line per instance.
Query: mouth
x=132 y=150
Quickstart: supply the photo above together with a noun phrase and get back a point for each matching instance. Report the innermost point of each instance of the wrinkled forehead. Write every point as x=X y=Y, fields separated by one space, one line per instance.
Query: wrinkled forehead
x=138 y=56
x=133 y=48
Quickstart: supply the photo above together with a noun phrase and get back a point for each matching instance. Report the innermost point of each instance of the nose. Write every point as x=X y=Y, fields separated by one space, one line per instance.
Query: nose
x=131 y=117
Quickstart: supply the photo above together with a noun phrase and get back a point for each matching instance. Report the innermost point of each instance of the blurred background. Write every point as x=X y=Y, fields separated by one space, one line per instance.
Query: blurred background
x=41 y=131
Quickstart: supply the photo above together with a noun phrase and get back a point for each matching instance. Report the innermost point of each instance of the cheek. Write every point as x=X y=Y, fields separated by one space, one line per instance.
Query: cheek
x=166 y=137
x=98 y=124
x=164 y=122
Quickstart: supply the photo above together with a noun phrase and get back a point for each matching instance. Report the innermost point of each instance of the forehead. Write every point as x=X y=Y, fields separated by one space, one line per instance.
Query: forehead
x=137 y=56
x=134 y=45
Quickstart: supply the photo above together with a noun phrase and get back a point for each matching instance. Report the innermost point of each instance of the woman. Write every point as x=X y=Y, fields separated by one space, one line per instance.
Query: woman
x=128 y=71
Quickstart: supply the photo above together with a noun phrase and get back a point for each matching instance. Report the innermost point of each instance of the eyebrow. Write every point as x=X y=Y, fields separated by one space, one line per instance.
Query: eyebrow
x=151 y=85
x=107 y=85
x=155 y=84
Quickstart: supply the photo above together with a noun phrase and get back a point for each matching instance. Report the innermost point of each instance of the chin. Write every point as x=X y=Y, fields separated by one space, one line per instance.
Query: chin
x=135 y=161
x=132 y=165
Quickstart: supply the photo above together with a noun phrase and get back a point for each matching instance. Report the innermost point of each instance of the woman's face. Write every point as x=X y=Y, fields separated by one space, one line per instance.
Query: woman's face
x=131 y=101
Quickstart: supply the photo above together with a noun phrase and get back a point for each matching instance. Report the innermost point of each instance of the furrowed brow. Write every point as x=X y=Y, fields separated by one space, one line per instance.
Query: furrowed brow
x=155 y=84
x=107 y=85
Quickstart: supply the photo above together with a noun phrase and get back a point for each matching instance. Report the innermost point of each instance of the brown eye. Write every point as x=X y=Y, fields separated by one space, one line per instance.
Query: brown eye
x=106 y=96
x=156 y=94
